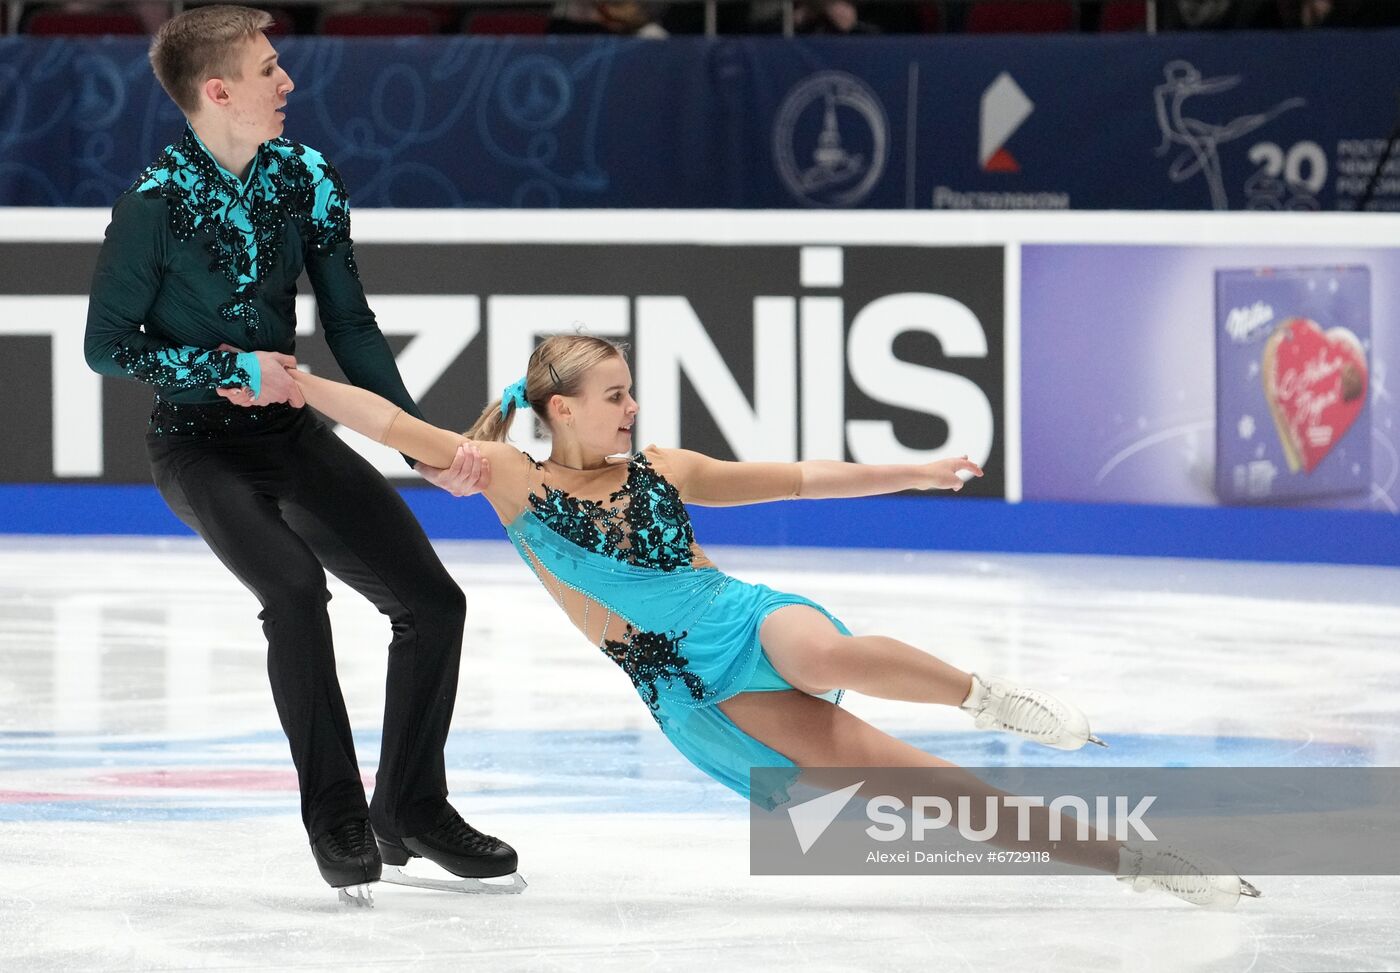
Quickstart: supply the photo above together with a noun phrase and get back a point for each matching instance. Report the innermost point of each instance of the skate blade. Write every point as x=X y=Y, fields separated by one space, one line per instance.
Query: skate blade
x=511 y=884
x=356 y=897
x=1249 y=891
x=1094 y=739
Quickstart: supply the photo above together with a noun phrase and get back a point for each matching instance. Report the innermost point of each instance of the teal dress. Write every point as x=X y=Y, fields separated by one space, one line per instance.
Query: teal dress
x=627 y=571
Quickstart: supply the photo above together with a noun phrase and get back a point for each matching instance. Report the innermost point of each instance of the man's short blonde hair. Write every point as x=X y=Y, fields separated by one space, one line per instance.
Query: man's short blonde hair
x=199 y=44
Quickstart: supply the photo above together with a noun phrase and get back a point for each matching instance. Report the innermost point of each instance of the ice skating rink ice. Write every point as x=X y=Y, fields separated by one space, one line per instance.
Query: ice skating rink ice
x=148 y=810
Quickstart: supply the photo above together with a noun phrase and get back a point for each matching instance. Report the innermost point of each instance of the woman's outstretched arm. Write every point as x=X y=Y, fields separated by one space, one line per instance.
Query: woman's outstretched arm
x=717 y=483
x=379 y=419
x=376 y=417
x=826 y=478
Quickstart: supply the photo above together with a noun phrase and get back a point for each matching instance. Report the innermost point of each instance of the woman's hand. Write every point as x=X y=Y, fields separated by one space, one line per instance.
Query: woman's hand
x=950 y=474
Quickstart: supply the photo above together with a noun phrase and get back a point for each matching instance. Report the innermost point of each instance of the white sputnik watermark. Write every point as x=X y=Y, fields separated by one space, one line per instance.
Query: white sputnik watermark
x=935 y=813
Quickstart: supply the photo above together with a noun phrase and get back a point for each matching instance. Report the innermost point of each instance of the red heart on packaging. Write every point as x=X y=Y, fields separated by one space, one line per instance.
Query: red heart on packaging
x=1315 y=384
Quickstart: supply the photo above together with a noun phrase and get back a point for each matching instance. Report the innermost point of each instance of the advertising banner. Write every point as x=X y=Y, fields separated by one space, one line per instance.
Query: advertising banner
x=877 y=354
x=1189 y=121
x=1127 y=388
x=1206 y=376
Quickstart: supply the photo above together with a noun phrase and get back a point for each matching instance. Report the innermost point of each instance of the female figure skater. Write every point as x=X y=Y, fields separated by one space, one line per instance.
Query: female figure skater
x=736 y=675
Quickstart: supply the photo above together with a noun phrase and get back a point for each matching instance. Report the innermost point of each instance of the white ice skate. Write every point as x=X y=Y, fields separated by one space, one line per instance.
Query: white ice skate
x=1029 y=713
x=1197 y=880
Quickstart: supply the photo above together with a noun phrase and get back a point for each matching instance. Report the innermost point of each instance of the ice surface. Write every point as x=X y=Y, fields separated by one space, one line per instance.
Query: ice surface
x=148 y=810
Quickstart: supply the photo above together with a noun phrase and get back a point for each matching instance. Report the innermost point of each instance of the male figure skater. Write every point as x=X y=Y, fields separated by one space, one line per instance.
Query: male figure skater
x=201 y=259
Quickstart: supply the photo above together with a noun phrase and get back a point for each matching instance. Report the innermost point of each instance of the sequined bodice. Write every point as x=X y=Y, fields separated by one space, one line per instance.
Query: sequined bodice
x=196 y=258
x=643 y=522
x=244 y=223
x=624 y=567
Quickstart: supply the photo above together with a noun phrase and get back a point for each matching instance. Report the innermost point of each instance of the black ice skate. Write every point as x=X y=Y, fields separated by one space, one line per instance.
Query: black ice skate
x=460 y=849
x=349 y=861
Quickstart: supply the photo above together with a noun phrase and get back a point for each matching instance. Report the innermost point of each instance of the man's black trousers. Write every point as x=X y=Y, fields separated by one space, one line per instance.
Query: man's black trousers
x=276 y=506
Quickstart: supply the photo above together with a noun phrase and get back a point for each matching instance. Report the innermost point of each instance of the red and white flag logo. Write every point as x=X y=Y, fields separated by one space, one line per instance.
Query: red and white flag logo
x=1004 y=108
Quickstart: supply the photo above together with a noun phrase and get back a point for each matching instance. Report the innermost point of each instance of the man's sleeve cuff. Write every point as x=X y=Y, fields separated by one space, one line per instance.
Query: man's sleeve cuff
x=248 y=364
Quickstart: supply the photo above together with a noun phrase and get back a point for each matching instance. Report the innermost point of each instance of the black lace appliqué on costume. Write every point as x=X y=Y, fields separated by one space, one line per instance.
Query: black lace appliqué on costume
x=586 y=523
x=185 y=368
x=647 y=657
x=246 y=222
x=651 y=530
x=661 y=535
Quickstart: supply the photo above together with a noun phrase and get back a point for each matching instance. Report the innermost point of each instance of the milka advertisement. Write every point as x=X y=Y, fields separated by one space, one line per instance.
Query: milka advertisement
x=1291 y=369
x=1210 y=375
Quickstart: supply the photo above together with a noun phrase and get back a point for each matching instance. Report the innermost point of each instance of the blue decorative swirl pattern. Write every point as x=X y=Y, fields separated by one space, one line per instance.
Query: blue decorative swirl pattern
x=743 y=122
x=422 y=122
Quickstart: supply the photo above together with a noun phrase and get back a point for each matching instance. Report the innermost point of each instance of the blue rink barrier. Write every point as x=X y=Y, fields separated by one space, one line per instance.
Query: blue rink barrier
x=912 y=523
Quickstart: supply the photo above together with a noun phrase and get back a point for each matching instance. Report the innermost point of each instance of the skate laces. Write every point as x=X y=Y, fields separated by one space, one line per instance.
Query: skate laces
x=457 y=832
x=1022 y=711
x=1174 y=873
x=350 y=840
x=1171 y=871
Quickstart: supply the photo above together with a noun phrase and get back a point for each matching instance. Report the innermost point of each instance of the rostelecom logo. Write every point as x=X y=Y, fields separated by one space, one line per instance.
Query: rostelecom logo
x=1004 y=108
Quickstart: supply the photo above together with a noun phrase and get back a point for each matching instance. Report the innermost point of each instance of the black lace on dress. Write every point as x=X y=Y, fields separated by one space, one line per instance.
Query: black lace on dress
x=644 y=523
x=647 y=657
x=652 y=529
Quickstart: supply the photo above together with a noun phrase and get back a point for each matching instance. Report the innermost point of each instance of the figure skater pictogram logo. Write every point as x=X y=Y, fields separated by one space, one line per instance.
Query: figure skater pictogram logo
x=831 y=139
x=1201 y=140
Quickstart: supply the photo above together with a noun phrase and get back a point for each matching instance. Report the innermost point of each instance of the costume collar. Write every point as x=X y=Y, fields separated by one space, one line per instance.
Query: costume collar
x=238 y=187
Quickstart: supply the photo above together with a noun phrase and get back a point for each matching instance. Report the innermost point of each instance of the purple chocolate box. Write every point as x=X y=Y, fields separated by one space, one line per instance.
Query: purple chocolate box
x=1292 y=371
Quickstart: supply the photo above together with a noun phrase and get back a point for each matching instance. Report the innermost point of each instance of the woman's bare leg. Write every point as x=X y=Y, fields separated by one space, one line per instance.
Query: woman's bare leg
x=814 y=733
x=812 y=654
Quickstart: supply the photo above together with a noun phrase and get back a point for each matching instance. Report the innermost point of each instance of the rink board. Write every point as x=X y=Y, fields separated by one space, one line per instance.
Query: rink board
x=1074 y=355
x=1317 y=536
